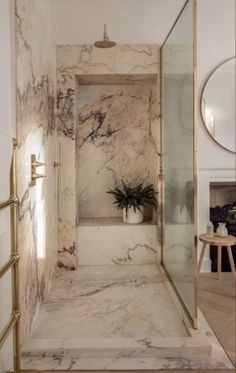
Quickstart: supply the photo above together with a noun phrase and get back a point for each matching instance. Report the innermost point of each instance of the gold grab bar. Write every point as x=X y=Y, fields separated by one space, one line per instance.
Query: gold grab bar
x=13 y=323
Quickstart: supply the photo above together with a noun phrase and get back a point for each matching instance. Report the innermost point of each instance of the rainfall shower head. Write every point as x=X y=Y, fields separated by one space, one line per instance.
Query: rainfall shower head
x=105 y=43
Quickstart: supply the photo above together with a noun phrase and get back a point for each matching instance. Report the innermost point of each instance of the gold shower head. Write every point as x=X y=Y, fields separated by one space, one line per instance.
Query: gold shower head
x=105 y=43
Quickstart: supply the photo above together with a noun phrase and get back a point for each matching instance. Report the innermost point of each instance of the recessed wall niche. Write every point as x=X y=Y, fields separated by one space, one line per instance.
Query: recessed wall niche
x=115 y=139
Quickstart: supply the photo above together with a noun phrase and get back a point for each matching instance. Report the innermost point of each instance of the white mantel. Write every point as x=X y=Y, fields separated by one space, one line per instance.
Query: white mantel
x=207 y=176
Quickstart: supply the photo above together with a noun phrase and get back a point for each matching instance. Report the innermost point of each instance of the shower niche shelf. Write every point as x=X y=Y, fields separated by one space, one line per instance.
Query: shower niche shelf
x=109 y=241
x=100 y=221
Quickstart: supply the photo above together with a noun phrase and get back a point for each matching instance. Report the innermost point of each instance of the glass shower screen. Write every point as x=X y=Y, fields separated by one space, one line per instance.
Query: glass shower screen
x=178 y=140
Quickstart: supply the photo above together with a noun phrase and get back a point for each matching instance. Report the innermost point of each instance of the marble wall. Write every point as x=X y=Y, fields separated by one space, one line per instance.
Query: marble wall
x=116 y=243
x=36 y=134
x=113 y=143
x=81 y=61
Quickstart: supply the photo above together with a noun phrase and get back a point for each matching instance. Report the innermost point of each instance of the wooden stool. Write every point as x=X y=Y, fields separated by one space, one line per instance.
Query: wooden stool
x=219 y=242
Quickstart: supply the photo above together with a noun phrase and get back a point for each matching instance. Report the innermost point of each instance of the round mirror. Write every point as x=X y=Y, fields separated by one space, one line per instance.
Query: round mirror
x=218 y=105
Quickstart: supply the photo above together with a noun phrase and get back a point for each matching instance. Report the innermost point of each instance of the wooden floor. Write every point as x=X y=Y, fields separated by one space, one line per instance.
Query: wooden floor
x=217 y=302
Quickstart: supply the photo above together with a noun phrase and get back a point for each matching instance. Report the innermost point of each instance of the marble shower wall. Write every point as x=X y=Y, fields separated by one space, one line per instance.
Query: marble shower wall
x=82 y=61
x=113 y=143
x=36 y=133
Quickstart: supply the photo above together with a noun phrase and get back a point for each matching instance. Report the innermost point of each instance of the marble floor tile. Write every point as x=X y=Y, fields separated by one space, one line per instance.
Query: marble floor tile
x=114 y=317
x=108 y=302
x=129 y=363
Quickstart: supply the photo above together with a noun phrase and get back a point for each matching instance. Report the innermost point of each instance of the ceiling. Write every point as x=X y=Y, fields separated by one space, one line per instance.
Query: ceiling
x=128 y=21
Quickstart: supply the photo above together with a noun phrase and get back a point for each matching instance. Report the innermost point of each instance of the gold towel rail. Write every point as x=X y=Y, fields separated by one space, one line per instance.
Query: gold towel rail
x=13 y=323
x=8 y=265
x=8 y=203
x=14 y=318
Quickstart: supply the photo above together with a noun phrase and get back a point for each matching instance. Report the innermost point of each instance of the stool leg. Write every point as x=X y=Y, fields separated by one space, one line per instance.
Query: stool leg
x=231 y=260
x=219 y=262
x=201 y=256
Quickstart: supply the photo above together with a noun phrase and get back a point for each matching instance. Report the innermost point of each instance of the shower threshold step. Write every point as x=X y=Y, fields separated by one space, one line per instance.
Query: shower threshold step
x=175 y=347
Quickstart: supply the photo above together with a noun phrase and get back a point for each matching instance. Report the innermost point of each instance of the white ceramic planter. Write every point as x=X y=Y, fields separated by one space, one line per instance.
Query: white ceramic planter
x=181 y=215
x=132 y=217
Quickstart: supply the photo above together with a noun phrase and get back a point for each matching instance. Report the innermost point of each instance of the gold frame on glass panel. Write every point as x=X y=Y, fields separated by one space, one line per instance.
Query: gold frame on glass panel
x=193 y=319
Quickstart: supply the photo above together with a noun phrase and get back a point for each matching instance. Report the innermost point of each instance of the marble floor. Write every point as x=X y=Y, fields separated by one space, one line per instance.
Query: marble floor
x=116 y=317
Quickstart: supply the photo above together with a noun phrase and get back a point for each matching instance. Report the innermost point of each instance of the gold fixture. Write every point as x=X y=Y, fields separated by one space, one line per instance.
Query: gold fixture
x=34 y=165
x=57 y=164
x=106 y=42
x=13 y=323
x=59 y=157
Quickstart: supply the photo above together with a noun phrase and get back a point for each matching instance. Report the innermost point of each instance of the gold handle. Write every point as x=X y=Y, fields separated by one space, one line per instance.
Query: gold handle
x=37 y=176
x=37 y=164
x=57 y=164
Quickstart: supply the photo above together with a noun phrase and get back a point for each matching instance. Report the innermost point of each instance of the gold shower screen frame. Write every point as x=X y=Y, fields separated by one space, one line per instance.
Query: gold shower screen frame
x=193 y=318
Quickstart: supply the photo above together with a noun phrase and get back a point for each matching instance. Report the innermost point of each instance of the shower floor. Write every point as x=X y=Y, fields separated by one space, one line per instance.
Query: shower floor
x=113 y=317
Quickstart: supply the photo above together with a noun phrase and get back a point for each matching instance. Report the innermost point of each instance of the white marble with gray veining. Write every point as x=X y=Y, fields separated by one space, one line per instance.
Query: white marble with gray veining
x=135 y=60
x=117 y=317
x=117 y=244
x=123 y=59
x=36 y=134
x=60 y=362
x=113 y=143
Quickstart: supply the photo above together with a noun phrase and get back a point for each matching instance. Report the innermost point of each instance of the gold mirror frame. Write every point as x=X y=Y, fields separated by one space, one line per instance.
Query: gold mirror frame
x=201 y=101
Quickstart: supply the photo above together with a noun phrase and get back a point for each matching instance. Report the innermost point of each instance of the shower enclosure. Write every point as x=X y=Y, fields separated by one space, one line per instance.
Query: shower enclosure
x=179 y=189
x=107 y=124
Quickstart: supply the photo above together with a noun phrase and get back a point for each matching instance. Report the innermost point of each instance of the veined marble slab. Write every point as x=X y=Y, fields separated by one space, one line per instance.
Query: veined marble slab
x=109 y=221
x=117 y=244
x=60 y=362
x=117 y=150
x=123 y=59
x=108 y=302
x=108 y=347
x=114 y=142
x=115 y=317
x=36 y=134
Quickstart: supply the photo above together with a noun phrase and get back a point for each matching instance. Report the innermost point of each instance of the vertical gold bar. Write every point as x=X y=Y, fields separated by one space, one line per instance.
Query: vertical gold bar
x=195 y=159
x=162 y=155
x=14 y=253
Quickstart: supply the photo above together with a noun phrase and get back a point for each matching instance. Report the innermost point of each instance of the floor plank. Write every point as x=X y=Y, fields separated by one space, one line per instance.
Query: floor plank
x=137 y=371
x=217 y=302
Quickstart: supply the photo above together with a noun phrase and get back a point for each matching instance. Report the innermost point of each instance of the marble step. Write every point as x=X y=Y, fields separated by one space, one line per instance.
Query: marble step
x=169 y=347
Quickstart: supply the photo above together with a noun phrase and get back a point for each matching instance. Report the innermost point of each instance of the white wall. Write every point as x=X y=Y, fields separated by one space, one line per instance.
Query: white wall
x=7 y=120
x=128 y=21
x=216 y=43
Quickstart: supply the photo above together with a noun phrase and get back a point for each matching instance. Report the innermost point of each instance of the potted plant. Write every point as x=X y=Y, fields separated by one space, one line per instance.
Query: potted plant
x=231 y=216
x=231 y=221
x=132 y=200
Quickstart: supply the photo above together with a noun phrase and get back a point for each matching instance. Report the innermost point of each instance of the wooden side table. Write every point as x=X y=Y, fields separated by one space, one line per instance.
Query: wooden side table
x=218 y=241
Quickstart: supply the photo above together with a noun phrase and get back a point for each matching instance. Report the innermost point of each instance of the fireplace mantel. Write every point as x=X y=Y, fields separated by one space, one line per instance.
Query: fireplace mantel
x=207 y=176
